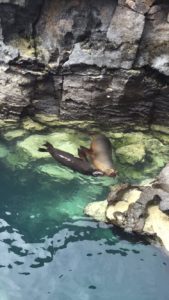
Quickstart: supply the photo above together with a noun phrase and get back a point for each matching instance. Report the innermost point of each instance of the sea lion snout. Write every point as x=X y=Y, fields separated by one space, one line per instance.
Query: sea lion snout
x=111 y=173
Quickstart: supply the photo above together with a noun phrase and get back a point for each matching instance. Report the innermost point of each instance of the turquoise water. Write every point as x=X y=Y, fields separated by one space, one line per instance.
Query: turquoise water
x=50 y=251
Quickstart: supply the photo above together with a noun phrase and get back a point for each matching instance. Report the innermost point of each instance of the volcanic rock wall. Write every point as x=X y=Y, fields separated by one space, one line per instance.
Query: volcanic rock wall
x=103 y=60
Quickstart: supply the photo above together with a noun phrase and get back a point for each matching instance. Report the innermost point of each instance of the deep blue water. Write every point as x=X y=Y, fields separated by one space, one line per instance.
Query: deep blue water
x=50 y=251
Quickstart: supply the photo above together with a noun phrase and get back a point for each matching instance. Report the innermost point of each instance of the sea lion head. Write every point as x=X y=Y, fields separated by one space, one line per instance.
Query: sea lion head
x=111 y=172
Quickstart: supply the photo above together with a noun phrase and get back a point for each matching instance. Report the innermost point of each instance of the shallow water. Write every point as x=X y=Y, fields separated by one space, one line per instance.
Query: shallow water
x=50 y=250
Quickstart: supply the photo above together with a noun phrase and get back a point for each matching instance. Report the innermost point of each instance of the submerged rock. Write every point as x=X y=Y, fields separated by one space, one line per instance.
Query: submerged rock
x=67 y=141
x=131 y=154
x=143 y=210
x=56 y=172
x=14 y=134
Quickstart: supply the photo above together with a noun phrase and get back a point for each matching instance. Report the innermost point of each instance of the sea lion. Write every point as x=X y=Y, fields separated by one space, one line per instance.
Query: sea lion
x=74 y=163
x=99 y=155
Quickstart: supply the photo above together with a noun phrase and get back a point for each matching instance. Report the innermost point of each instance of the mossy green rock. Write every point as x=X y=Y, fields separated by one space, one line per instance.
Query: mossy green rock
x=14 y=134
x=68 y=141
x=160 y=128
x=30 y=125
x=8 y=123
x=131 y=154
x=54 y=121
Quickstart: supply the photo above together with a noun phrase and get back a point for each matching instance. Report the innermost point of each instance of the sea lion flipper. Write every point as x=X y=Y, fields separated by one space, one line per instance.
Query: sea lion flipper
x=84 y=153
x=46 y=149
x=42 y=150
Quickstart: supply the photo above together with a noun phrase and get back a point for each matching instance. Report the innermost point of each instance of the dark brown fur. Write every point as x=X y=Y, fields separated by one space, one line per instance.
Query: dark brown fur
x=70 y=161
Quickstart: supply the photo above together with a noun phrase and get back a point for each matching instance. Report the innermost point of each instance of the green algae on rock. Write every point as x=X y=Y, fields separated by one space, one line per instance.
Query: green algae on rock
x=131 y=154
x=14 y=134
x=51 y=120
x=30 y=125
x=8 y=123
x=138 y=155
x=66 y=141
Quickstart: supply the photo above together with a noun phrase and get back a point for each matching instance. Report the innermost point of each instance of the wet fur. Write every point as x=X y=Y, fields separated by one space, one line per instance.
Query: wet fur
x=100 y=155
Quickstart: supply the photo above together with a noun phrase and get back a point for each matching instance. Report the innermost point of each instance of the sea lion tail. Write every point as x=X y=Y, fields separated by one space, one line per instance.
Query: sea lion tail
x=47 y=145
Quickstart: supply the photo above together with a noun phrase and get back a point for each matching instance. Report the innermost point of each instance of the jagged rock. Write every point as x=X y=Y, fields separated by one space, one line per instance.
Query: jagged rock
x=14 y=92
x=139 y=209
x=140 y=6
x=121 y=46
x=96 y=60
x=115 y=209
x=154 y=46
x=7 y=53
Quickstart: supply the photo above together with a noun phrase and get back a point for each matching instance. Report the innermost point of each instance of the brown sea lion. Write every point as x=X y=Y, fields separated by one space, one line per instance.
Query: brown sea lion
x=74 y=163
x=99 y=155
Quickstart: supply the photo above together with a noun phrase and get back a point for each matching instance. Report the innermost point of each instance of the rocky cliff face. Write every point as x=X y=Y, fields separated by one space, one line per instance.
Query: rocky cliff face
x=104 y=60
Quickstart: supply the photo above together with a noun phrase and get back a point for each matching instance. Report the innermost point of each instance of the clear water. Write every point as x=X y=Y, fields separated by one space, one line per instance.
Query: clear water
x=50 y=251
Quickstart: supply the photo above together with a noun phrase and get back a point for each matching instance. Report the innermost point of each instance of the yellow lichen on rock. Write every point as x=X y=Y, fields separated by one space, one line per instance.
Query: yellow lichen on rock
x=97 y=210
x=158 y=223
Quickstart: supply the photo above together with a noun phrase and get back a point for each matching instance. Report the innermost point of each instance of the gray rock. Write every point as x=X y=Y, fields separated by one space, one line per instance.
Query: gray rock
x=96 y=60
x=140 y=6
x=162 y=180
x=14 y=2
x=7 y=53
x=154 y=47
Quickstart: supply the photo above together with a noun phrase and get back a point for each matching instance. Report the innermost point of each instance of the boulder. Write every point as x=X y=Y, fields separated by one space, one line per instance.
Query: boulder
x=138 y=209
x=131 y=154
